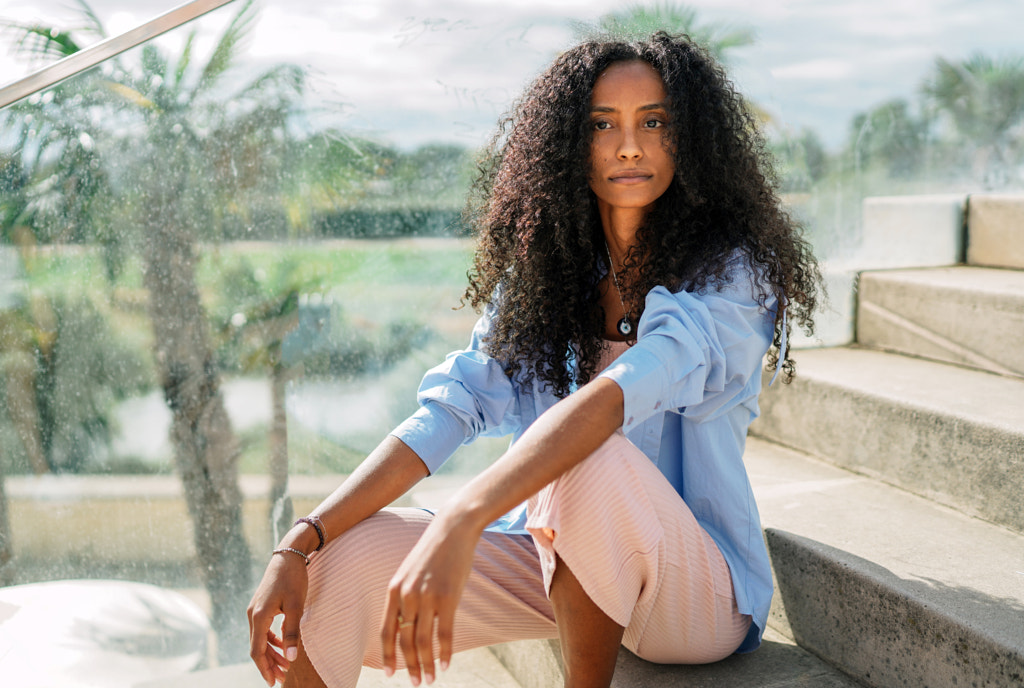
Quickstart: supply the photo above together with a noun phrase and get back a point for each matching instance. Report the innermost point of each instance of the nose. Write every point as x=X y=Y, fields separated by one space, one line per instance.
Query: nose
x=629 y=147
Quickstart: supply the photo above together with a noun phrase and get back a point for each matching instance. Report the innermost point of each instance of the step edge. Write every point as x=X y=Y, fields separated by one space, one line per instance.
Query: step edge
x=967 y=639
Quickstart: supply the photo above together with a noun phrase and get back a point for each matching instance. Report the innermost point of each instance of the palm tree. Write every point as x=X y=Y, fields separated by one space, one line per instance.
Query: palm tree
x=639 y=21
x=256 y=322
x=983 y=99
x=171 y=151
x=890 y=134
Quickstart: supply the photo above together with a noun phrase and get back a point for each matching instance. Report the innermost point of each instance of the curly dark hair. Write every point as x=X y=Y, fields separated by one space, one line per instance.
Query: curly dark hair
x=540 y=236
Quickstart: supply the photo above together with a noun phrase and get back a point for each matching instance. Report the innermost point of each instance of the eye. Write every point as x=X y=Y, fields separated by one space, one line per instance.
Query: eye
x=602 y=125
x=653 y=123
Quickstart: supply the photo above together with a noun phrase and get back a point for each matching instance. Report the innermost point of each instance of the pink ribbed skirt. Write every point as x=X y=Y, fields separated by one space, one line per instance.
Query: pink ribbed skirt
x=614 y=520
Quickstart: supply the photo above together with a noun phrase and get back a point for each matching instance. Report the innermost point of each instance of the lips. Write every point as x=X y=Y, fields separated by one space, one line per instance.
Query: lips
x=627 y=176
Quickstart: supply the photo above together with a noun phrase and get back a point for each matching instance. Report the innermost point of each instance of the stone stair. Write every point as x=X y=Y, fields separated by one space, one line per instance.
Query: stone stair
x=895 y=512
x=474 y=669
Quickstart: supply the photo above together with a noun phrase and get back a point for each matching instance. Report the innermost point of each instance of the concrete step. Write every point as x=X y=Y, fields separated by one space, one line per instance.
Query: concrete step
x=474 y=669
x=896 y=232
x=995 y=228
x=778 y=663
x=893 y=589
x=951 y=434
x=965 y=315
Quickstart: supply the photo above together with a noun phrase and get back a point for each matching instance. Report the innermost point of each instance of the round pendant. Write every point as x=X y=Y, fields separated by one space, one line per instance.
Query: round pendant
x=624 y=327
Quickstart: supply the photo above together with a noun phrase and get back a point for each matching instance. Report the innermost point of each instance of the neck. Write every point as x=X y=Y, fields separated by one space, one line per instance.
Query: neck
x=620 y=227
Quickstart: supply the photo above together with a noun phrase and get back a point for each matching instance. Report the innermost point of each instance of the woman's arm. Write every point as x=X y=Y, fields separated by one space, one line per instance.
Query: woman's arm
x=429 y=582
x=567 y=433
x=384 y=476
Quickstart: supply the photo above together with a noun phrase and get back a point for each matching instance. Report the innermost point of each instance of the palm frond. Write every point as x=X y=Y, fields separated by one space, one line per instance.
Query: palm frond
x=39 y=41
x=154 y=64
x=641 y=21
x=93 y=23
x=129 y=94
x=225 y=52
x=183 y=62
x=284 y=79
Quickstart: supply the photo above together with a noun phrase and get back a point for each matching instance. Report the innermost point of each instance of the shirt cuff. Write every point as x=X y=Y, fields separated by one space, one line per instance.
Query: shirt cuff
x=433 y=433
x=644 y=382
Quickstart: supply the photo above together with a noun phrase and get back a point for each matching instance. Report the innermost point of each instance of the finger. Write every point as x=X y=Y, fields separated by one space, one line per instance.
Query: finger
x=407 y=641
x=273 y=665
x=388 y=631
x=424 y=637
x=445 y=631
x=276 y=662
x=259 y=626
x=290 y=633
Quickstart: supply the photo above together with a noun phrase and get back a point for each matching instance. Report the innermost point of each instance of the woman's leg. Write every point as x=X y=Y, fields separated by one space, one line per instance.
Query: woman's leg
x=301 y=674
x=639 y=555
x=504 y=597
x=589 y=638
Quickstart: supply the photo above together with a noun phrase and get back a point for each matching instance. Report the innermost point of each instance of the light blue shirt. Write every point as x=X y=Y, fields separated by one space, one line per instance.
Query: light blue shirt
x=690 y=385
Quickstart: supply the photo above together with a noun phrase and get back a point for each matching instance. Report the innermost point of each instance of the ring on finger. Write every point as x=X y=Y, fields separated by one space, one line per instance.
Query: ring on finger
x=402 y=623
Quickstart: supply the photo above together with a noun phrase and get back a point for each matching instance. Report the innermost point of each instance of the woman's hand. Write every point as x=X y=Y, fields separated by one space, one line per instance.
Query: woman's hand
x=425 y=591
x=282 y=591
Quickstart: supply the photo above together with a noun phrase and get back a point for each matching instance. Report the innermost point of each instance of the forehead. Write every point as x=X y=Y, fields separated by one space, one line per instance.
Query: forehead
x=633 y=81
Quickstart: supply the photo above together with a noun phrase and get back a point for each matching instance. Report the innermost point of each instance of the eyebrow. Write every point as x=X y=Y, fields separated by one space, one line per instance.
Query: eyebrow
x=642 y=108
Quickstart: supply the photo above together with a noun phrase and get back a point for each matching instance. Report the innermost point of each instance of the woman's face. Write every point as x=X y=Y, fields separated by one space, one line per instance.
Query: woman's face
x=631 y=163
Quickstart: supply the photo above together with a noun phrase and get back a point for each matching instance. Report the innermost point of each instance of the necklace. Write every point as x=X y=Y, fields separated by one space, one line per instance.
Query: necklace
x=624 y=326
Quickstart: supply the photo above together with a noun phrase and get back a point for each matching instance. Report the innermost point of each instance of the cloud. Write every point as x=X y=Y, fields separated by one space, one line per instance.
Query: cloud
x=445 y=68
x=816 y=70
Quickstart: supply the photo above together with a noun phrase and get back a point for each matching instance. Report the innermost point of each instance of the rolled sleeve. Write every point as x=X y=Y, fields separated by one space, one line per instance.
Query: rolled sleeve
x=466 y=396
x=695 y=353
x=433 y=433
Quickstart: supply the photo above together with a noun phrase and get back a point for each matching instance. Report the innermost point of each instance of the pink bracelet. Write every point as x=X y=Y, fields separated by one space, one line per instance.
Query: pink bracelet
x=318 y=526
x=282 y=550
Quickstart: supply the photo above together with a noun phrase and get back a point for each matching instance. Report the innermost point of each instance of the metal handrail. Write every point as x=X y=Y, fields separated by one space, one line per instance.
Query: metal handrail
x=104 y=50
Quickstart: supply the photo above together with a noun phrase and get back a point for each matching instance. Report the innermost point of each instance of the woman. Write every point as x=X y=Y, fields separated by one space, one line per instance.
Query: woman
x=635 y=267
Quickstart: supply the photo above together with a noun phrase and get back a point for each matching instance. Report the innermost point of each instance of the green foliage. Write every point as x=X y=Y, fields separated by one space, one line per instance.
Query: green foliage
x=640 y=21
x=280 y=316
x=983 y=96
x=964 y=131
x=890 y=135
x=351 y=350
x=801 y=160
x=981 y=102
x=82 y=368
x=389 y=223
x=85 y=373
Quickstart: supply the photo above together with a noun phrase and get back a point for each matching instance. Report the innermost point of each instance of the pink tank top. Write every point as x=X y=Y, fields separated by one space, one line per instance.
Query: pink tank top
x=610 y=352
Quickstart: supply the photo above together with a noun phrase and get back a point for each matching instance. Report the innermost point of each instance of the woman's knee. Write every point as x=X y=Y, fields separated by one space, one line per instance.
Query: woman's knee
x=367 y=554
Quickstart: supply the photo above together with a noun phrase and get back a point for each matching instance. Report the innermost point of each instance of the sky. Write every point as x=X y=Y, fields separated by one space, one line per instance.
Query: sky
x=415 y=71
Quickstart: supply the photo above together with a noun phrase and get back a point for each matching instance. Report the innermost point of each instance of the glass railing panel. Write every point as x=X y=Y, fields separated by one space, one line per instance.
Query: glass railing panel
x=221 y=287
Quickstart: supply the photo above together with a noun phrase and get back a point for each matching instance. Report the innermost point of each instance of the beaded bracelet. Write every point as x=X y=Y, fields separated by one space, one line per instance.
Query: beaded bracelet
x=318 y=526
x=282 y=550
